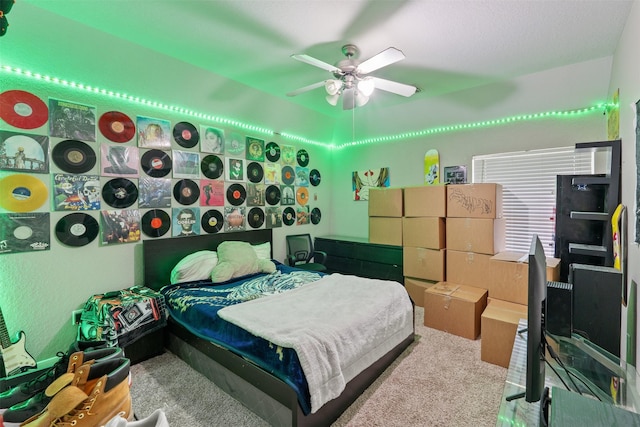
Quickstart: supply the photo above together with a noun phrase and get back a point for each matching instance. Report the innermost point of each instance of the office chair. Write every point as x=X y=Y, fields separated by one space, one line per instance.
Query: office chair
x=300 y=253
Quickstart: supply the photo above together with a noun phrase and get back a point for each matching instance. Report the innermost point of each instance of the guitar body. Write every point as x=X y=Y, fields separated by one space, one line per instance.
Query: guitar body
x=15 y=357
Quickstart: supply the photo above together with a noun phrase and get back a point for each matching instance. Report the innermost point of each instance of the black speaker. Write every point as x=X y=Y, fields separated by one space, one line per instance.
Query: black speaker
x=558 y=315
x=597 y=304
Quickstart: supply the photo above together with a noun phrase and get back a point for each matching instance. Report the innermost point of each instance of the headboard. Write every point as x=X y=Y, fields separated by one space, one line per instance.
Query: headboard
x=161 y=255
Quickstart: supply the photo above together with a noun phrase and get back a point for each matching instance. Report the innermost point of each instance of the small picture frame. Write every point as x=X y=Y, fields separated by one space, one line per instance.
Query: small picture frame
x=455 y=174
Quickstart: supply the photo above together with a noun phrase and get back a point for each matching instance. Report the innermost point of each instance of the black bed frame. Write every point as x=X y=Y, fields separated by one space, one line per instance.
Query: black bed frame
x=267 y=396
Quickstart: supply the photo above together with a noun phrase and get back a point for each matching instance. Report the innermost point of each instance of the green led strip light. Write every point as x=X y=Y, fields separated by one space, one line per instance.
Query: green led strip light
x=292 y=137
x=172 y=108
x=482 y=124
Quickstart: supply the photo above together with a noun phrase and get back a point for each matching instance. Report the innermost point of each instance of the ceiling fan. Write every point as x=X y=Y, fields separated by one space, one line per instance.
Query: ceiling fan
x=351 y=79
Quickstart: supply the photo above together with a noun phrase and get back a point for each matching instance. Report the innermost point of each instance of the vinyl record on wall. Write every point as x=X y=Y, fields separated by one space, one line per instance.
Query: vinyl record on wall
x=155 y=223
x=255 y=172
x=288 y=216
x=77 y=229
x=116 y=126
x=272 y=152
x=156 y=163
x=236 y=194
x=23 y=109
x=316 y=216
x=211 y=166
x=22 y=193
x=255 y=217
x=186 y=192
x=73 y=156
x=119 y=193
x=212 y=221
x=186 y=134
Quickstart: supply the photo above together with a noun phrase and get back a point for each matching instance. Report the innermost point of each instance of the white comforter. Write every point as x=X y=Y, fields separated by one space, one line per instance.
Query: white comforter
x=338 y=326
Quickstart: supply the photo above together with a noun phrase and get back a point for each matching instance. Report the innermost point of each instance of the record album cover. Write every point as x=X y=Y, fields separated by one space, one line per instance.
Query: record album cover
x=234 y=145
x=154 y=192
x=288 y=155
x=186 y=164
x=273 y=217
x=235 y=218
x=119 y=160
x=211 y=192
x=302 y=176
x=255 y=149
x=272 y=173
x=24 y=232
x=24 y=152
x=185 y=222
x=76 y=192
x=255 y=194
x=71 y=120
x=120 y=226
x=153 y=133
x=212 y=140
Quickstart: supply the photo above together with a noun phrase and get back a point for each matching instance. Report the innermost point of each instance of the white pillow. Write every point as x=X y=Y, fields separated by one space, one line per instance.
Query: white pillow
x=263 y=250
x=195 y=266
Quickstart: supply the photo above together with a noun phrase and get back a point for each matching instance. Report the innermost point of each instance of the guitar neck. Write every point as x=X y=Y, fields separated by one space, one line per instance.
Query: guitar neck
x=5 y=341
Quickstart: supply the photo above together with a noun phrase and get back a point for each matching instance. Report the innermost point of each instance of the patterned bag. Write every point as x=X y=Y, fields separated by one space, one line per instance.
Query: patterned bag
x=121 y=317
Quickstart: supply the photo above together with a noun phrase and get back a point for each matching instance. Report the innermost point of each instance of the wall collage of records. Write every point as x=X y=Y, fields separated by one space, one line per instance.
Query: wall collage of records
x=152 y=179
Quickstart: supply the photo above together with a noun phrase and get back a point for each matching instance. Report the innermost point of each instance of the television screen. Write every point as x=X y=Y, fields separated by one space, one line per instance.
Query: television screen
x=535 y=321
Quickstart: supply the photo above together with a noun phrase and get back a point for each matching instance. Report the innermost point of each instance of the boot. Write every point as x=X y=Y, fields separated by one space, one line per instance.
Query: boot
x=97 y=393
x=30 y=388
x=156 y=419
x=20 y=412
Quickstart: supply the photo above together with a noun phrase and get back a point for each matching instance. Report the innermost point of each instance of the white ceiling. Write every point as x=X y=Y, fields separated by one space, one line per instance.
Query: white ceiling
x=449 y=45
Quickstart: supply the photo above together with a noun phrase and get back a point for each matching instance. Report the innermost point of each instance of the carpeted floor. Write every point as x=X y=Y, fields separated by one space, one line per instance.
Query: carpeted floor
x=438 y=381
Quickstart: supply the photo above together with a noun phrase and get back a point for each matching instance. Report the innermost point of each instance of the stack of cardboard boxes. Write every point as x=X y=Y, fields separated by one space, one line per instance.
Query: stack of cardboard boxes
x=423 y=239
x=461 y=275
x=385 y=216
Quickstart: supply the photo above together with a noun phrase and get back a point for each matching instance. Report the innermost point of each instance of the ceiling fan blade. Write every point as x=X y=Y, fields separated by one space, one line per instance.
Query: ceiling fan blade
x=315 y=62
x=384 y=58
x=394 y=87
x=348 y=99
x=306 y=88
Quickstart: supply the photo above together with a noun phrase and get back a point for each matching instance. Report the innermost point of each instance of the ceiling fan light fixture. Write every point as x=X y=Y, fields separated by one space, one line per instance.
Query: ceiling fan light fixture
x=361 y=99
x=333 y=87
x=333 y=99
x=366 y=86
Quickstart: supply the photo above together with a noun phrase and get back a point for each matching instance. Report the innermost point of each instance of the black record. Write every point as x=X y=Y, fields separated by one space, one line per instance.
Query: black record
x=119 y=193
x=314 y=177
x=272 y=152
x=77 y=229
x=156 y=163
x=288 y=175
x=255 y=217
x=288 y=216
x=186 y=134
x=273 y=195
x=186 y=191
x=156 y=223
x=73 y=156
x=212 y=221
x=316 y=215
x=236 y=194
x=255 y=173
x=211 y=166
x=303 y=157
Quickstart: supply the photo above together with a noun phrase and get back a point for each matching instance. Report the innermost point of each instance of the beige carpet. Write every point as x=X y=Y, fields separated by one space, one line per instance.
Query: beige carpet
x=438 y=381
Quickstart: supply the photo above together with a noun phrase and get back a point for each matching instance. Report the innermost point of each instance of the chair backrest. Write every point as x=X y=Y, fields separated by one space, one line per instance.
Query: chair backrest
x=300 y=246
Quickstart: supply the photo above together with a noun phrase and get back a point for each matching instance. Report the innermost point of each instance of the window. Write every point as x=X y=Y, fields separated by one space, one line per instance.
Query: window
x=528 y=179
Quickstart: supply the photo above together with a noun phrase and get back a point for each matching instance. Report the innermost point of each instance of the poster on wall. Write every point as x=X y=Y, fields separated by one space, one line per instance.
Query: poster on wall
x=637 y=116
x=455 y=174
x=362 y=181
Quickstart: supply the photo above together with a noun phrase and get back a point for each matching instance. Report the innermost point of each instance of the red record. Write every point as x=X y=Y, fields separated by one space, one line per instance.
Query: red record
x=116 y=126
x=22 y=109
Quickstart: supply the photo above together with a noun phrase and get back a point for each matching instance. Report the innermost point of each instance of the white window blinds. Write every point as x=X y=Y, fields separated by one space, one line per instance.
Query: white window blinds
x=529 y=190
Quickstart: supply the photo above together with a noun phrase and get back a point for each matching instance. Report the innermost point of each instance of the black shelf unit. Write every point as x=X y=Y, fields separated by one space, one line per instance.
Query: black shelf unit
x=584 y=207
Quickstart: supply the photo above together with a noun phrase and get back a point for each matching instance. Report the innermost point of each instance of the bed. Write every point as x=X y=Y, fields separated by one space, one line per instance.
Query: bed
x=272 y=397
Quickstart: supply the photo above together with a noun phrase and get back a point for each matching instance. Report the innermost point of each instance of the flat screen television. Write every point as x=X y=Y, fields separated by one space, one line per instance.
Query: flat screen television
x=535 y=321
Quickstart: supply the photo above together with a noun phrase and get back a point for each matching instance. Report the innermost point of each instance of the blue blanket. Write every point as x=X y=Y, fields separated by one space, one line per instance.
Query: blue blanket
x=195 y=306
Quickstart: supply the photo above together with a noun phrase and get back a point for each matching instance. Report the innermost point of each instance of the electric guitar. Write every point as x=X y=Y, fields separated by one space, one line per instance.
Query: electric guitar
x=15 y=357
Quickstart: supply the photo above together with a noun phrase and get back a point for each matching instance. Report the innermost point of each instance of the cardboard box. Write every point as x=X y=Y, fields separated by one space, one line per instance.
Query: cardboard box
x=480 y=235
x=468 y=268
x=454 y=308
x=505 y=275
x=426 y=200
x=423 y=263
x=385 y=231
x=499 y=324
x=424 y=232
x=474 y=201
x=415 y=288
x=385 y=202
